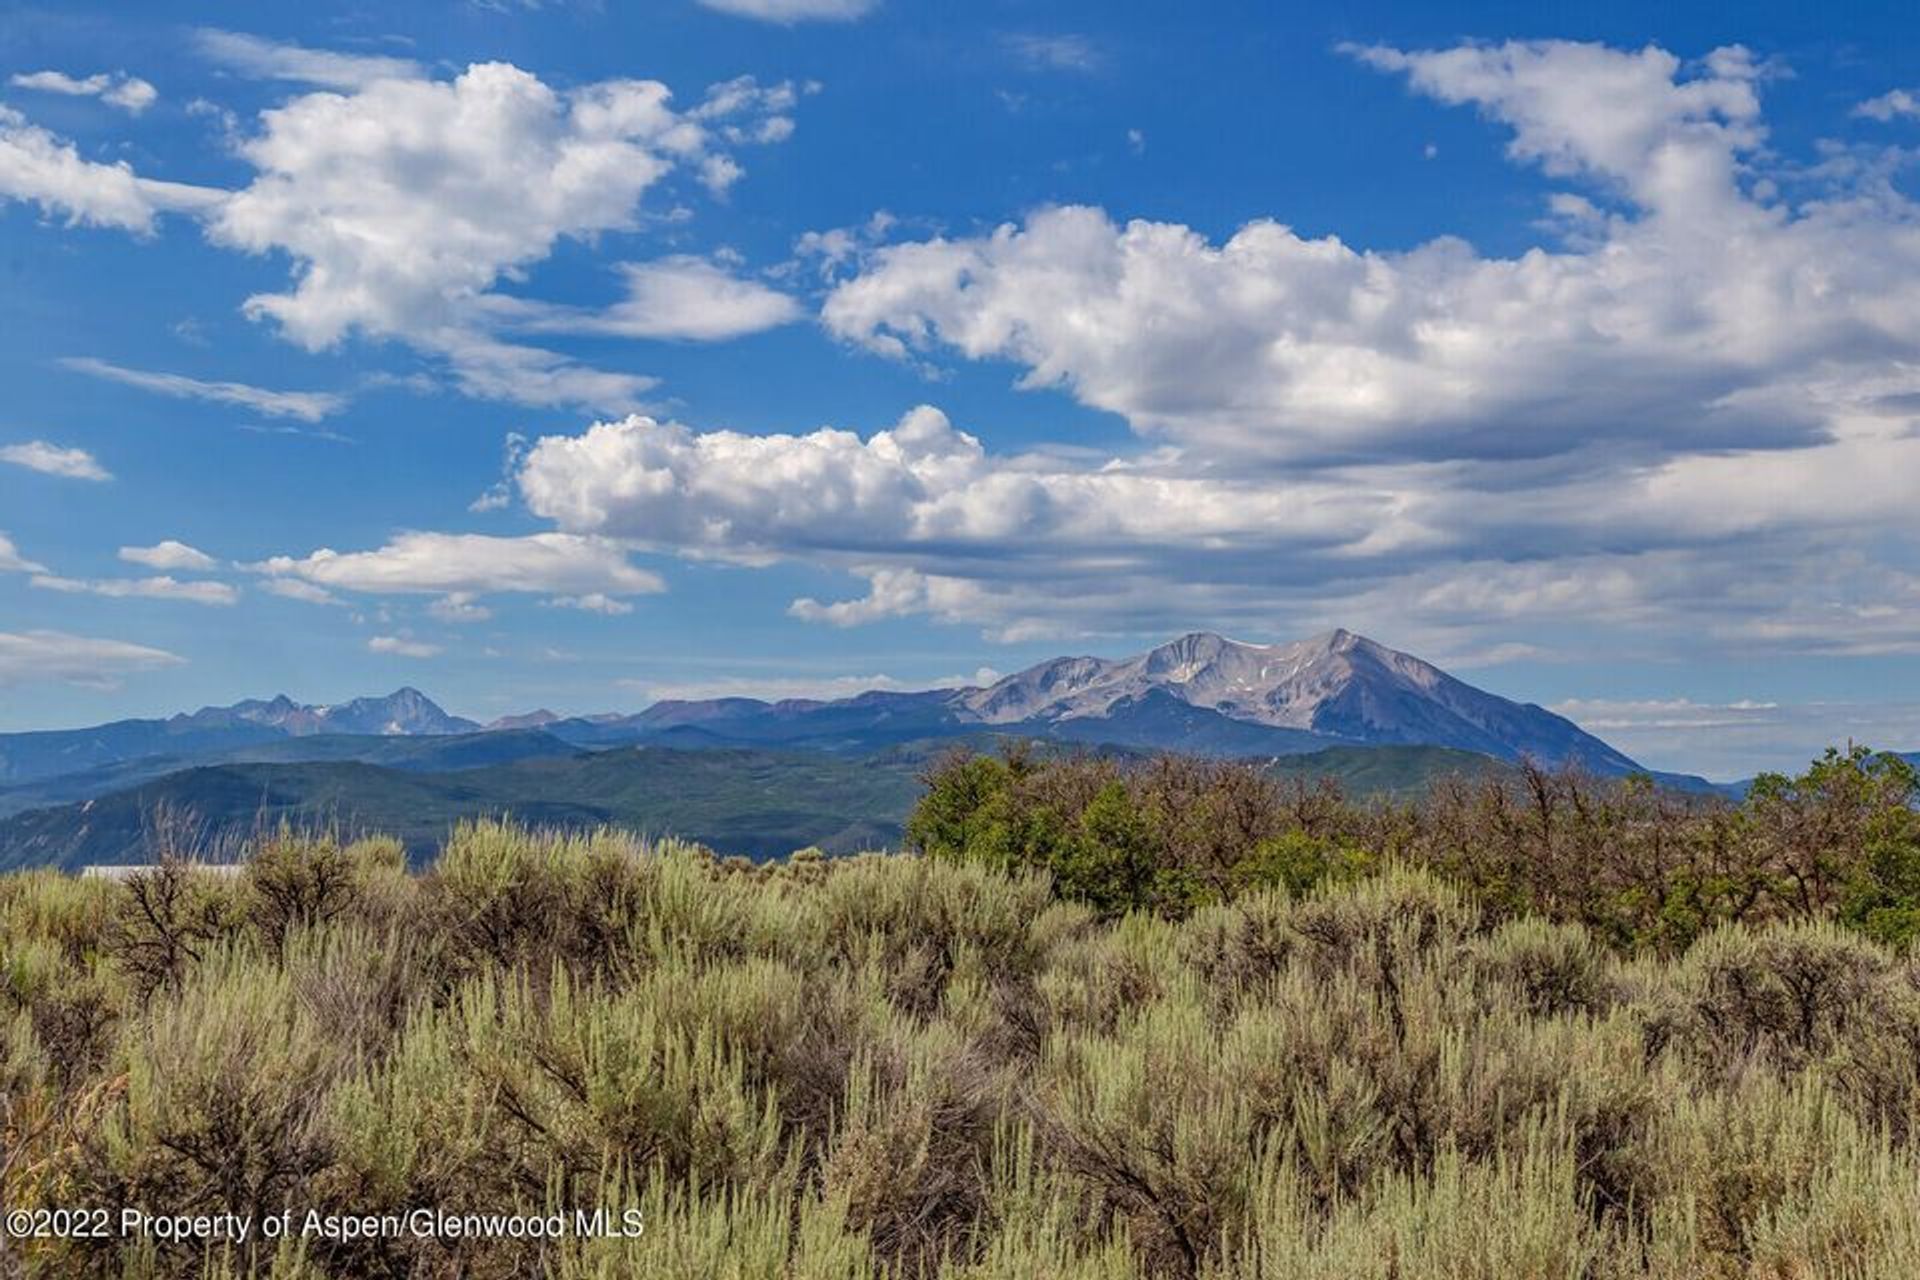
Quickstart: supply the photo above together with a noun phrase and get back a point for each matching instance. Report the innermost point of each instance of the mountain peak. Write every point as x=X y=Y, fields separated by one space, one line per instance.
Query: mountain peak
x=1194 y=650
x=1212 y=643
x=1205 y=639
x=1341 y=640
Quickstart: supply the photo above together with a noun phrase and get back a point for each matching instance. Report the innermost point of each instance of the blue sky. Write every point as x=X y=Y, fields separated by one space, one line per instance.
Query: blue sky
x=577 y=355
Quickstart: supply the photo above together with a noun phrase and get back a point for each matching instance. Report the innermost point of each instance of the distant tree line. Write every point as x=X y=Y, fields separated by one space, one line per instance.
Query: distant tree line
x=1639 y=865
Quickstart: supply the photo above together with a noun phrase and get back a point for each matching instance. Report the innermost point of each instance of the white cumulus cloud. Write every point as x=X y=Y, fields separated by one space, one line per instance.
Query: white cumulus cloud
x=405 y=202
x=1700 y=384
x=402 y=201
x=922 y=482
x=1704 y=318
x=937 y=524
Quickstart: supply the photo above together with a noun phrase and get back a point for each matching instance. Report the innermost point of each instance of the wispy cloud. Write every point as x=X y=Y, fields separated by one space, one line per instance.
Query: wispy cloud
x=788 y=12
x=11 y=561
x=771 y=689
x=129 y=93
x=471 y=565
x=307 y=406
x=1739 y=738
x=401 y=647
x=459 y=607
x=592 y=602
x=298 y=589
x=170 y=554
x=262 y=59
x=1066 y=52
x=34 y=657
x=304 y=433
x=157 y=588
x=680 y=297
x=53 y=460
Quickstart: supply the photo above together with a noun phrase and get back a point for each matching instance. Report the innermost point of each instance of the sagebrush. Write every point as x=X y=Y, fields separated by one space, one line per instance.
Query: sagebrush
x=896 y=1066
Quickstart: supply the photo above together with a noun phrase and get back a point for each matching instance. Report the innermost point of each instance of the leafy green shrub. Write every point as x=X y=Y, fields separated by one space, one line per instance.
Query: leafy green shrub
x=1298 y=861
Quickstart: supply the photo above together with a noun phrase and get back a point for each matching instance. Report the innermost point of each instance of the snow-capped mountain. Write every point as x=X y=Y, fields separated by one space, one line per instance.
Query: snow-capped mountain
x=1339 y=686
x=404 y=711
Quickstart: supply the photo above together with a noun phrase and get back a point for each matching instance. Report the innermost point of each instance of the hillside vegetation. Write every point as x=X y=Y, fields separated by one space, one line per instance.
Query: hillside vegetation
x=894 y=1066
x=756 y=802
x=1640 y=866
x=759 y=803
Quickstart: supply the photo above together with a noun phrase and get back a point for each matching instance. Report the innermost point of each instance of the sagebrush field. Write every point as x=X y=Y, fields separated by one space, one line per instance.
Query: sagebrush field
x=920 y=1065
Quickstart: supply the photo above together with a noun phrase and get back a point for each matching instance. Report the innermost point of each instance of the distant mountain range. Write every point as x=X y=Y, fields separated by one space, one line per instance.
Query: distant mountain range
x=1335 y=697
x=1202 y=693
x=50 y=753
x=756 y=802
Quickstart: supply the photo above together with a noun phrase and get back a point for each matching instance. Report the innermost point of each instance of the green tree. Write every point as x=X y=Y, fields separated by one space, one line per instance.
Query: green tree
x=964 y=795
x=1843 y=837
x=1110 y=863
